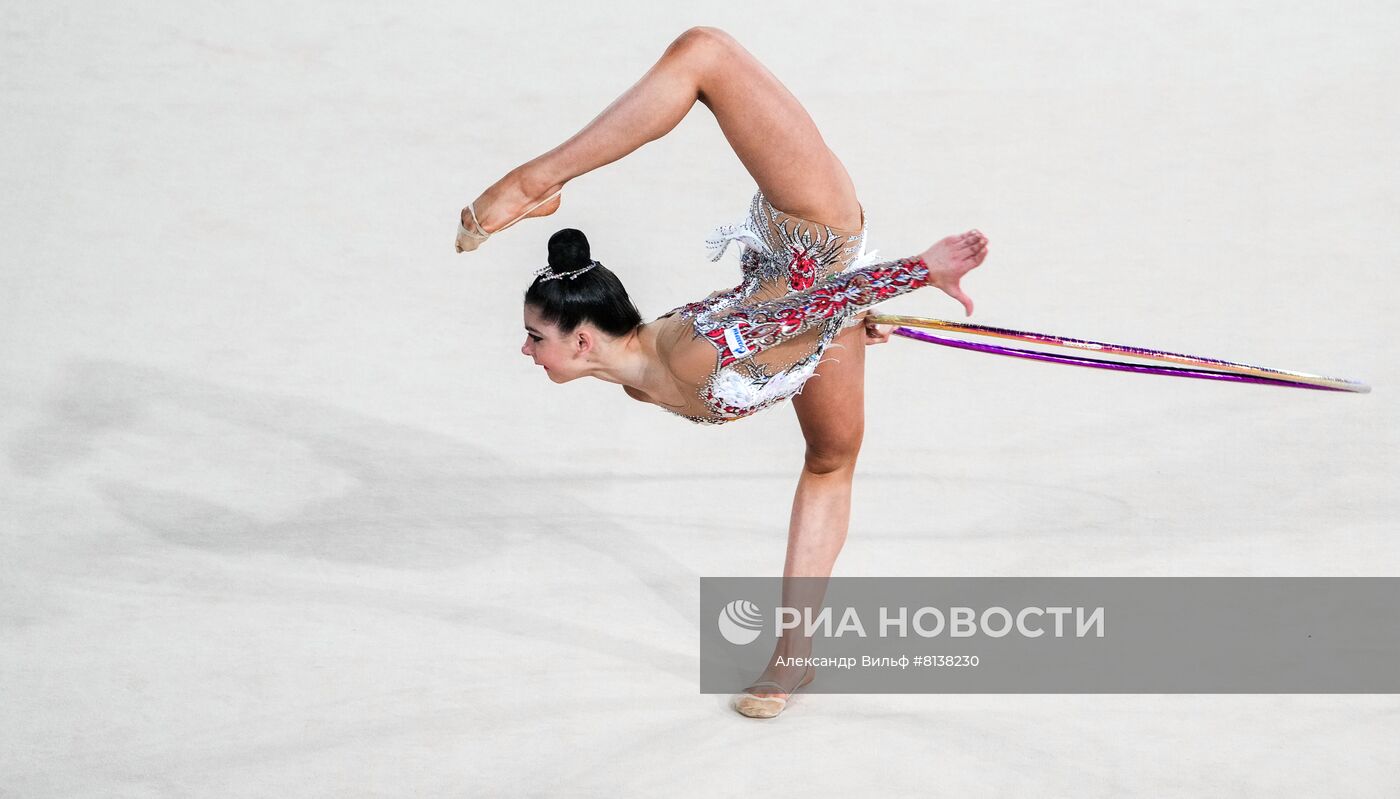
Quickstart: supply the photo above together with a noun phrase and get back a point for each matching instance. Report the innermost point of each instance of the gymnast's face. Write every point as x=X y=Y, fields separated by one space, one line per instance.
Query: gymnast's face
x=549 y=347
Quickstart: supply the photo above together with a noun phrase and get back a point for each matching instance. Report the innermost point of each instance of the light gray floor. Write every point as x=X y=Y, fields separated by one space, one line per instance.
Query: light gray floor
x=286 y=512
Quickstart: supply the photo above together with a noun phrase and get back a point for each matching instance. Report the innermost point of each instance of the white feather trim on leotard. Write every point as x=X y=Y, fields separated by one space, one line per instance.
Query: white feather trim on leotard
x=863 y=260
x=738 y=390
x=718 y=240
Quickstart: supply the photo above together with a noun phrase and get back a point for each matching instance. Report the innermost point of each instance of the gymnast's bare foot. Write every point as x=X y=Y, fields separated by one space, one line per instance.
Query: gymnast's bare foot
x=953 y=257
x=507 y=199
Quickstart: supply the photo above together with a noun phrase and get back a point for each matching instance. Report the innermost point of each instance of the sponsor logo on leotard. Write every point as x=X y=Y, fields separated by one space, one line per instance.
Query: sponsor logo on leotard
x=736 y=342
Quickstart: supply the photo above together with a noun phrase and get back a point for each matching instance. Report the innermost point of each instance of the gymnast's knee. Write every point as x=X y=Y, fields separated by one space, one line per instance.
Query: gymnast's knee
x=832 y=458
x=701 y=39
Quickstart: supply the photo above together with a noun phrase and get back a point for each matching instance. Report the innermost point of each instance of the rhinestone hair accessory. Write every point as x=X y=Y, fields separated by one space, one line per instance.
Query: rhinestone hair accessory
x=546 y=274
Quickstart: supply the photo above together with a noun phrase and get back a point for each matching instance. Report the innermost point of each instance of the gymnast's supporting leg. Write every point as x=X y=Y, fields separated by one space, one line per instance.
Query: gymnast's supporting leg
x=764 y=123
x=831 y=412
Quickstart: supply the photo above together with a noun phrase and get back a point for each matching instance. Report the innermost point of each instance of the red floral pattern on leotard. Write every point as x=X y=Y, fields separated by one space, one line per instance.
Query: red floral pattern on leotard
x=802 y=269
x=766 y=324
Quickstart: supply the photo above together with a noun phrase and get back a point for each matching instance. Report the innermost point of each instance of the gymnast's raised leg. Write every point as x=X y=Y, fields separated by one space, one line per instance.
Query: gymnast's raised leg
x=766 y=126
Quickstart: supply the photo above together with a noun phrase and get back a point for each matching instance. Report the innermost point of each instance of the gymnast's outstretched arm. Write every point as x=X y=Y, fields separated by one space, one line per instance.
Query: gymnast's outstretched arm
x=854 y=291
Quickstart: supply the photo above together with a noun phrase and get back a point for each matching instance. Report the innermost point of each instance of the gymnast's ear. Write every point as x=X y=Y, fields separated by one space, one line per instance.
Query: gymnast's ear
x=584 y=338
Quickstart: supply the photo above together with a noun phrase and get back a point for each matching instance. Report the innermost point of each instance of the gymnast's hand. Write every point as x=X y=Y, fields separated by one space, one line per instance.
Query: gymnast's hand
x=953 y=257
x=877 y=334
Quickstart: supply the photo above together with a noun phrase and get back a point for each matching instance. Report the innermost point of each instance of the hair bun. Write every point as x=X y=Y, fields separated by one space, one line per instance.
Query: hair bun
x=569 y=250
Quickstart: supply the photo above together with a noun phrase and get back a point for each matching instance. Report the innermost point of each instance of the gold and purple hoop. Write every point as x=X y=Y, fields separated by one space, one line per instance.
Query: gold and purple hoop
x=1192 y=365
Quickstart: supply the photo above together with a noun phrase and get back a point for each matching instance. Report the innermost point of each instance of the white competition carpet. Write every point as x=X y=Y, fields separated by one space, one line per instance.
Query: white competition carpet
x=285 y=512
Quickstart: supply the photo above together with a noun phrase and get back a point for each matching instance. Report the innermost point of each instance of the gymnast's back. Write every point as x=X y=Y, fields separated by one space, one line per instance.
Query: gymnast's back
x=743 y=349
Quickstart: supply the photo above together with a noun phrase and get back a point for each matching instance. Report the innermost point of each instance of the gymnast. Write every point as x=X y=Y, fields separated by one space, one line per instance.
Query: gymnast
x=807 y=285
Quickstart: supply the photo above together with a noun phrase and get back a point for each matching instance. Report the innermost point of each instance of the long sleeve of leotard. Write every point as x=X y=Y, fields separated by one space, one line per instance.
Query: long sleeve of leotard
x=754 y=328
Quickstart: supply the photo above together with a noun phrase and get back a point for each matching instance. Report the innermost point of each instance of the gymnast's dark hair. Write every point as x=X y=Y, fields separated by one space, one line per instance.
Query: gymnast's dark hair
x=595 y=296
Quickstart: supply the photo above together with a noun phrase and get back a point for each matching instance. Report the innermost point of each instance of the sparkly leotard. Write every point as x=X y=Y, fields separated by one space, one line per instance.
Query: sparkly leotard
x=803 y=283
